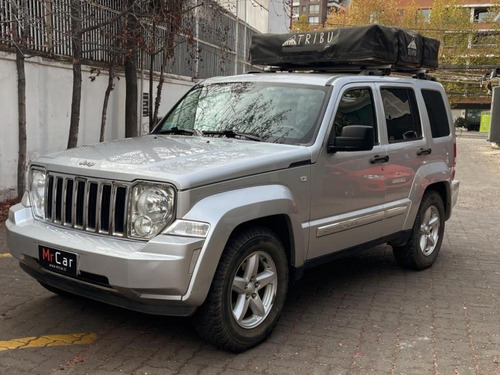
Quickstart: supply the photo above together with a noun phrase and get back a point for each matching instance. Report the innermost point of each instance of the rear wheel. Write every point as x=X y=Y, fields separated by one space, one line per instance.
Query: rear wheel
x=426 y=237
x=247 y=293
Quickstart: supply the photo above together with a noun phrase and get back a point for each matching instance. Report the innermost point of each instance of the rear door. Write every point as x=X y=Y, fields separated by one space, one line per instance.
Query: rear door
x=407 y=150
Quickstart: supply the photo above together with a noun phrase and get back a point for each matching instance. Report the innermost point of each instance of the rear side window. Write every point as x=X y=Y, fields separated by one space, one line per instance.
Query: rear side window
x=356 y=108
x=401 y=114
x=437 y=113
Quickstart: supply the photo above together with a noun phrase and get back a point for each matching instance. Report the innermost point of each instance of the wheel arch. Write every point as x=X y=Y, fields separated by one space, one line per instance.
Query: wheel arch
x=270 y=206
x=281 y=225
x=434 y=176
x=444 y=190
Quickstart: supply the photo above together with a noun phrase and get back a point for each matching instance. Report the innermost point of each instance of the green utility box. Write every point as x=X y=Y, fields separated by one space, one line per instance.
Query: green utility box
x=484 y=126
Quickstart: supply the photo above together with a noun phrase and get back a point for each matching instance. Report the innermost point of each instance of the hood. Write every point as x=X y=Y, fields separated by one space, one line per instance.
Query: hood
x=185 y=161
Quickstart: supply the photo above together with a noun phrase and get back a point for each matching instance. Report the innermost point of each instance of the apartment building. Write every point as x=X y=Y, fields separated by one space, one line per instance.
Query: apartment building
x=315 y=10
x=485 y=37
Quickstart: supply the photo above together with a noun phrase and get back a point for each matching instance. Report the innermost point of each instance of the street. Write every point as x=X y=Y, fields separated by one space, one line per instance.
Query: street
x=359 y=315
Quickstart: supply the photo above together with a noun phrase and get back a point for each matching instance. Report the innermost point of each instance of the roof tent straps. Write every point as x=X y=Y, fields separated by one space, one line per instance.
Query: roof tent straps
x=357 y=46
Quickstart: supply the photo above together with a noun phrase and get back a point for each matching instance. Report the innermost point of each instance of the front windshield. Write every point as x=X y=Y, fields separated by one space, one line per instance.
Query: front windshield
x=269 y=112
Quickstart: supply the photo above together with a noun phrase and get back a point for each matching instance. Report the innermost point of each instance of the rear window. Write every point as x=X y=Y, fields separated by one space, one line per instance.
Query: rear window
x=437 y=113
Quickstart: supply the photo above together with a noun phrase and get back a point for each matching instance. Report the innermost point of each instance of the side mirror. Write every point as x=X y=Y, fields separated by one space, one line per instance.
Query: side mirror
x=353 y=138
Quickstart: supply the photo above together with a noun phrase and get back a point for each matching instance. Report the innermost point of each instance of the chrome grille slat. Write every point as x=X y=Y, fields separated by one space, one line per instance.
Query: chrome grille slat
x=87 y=204
x=98 y=211
x=112 y=199
x=63 y=198
x=54 y=198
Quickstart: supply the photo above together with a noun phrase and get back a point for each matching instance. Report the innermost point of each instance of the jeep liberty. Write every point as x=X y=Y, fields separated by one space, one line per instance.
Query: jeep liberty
x=246 y=182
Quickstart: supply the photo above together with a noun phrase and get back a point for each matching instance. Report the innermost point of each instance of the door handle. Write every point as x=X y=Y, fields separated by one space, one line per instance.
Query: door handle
x=379 y=159
x=424 y=151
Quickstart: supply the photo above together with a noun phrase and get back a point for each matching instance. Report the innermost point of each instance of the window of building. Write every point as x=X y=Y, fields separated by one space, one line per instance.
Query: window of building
x=437 y=113
x=296 y=3
x=356 y=108
x=483 y=15
x=304 y=9
x=426 y=13
x=295 y=11
x=314 y=8
x=401 y=114
x=313 y=20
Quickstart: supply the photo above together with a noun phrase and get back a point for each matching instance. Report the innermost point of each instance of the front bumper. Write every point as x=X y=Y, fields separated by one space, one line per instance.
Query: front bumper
x=150 y=277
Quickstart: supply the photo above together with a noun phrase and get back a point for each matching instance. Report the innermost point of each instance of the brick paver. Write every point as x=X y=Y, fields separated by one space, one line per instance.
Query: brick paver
x=360 y=315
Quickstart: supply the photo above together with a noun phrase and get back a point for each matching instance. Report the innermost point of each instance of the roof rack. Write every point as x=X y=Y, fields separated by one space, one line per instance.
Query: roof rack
x=375 y=70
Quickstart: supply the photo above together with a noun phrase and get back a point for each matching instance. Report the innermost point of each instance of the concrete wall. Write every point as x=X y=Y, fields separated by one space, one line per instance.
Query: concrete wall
x=48 y=102
x=255 y=13
x=279 y=16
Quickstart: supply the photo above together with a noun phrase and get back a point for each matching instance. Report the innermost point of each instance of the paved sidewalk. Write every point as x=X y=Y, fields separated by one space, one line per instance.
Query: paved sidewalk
x=361 y=315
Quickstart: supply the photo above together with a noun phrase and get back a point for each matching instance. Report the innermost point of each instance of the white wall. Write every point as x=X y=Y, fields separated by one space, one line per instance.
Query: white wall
x=279 y=16
x=48 y=107
x=255 y=13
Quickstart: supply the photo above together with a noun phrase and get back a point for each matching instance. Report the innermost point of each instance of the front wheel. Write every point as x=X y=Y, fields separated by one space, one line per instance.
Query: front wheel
x=426 y=237
x=247 y=293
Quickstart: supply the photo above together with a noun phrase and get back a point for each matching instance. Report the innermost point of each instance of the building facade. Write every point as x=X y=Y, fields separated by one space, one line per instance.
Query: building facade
x=485 y=37
x=316 y=11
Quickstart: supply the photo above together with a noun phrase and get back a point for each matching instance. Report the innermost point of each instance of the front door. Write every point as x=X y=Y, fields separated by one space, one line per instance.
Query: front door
x=348 y=188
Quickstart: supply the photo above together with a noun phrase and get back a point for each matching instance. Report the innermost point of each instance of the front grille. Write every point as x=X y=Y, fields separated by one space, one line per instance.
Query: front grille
x=91 y=205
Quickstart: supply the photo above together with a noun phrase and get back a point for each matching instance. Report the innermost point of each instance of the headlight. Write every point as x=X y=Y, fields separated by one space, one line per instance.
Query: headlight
x=152 y=208
x=37 y=188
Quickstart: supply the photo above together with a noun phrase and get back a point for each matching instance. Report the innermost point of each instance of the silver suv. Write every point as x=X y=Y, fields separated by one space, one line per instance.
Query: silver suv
x=248 y=181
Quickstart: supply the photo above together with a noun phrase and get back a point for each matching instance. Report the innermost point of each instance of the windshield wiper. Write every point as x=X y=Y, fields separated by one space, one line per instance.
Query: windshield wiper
x=177 y=130
x=233 y=134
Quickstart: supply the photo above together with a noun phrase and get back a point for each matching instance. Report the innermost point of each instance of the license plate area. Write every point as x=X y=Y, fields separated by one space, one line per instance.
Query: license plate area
x=58 y=260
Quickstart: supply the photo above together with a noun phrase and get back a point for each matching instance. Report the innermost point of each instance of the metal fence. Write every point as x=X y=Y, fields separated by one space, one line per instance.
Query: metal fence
x=219 y=44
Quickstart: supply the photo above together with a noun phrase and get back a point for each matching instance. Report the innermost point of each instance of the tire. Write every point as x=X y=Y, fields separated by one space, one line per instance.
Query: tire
x=57 y=291
x=244 y=303
x=426 y=237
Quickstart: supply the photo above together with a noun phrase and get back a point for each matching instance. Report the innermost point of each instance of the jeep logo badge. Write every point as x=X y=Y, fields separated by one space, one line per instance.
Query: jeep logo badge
x=87 y=163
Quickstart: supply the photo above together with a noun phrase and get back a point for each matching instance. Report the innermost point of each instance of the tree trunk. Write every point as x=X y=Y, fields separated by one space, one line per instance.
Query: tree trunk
x=151 y=80
x=131 y=128
x=106 y=99
x=22 y=41
x=158 y=93
x=76 y=96
x=151 y=96
x=21 y=110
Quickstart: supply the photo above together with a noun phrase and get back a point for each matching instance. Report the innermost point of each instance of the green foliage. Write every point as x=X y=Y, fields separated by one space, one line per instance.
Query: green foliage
x=302 y=24
x=463 y=42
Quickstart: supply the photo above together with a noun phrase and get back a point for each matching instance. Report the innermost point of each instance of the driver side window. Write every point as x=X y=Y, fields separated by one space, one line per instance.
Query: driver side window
x=356 y=108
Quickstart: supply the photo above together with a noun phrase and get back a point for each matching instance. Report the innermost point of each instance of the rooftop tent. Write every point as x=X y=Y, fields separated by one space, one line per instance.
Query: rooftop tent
x=346 y=46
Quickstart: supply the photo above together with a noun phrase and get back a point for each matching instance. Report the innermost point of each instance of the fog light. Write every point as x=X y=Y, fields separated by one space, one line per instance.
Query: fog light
x=143 y=225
